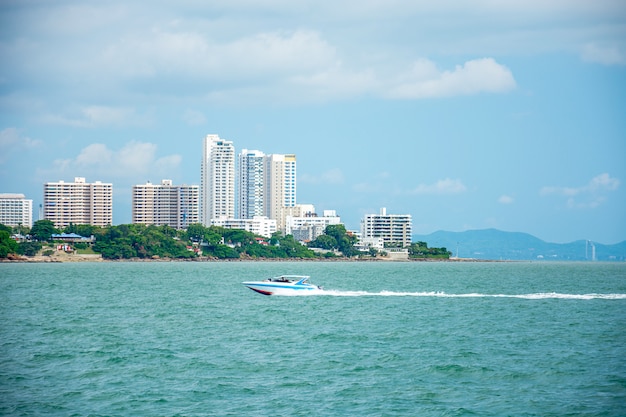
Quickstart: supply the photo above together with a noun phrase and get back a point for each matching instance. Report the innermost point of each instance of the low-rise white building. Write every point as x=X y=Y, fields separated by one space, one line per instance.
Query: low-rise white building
x=394 y=229
x=16 y=210
x=259 y=225
x=365 y=244
x=310 y=226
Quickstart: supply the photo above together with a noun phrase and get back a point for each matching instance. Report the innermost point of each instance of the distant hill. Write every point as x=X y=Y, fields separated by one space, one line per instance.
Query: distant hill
x=496 y=244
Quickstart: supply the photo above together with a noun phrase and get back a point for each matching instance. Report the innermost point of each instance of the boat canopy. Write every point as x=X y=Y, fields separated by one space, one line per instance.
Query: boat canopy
x=291 y=278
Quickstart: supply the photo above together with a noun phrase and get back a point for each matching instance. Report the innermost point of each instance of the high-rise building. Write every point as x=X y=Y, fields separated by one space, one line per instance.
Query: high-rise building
x=176 y=206
x=250 y=183
x=78 y=202
x=16 y=210
x=394 y=229
x=217 y=179
x=280 y=186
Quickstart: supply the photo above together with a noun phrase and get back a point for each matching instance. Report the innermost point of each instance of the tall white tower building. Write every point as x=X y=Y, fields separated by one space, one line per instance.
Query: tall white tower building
x=280 y=187
x=16 y=210
x=217 y=179
x=176 y=206
x=250 y=184
x=78 y=202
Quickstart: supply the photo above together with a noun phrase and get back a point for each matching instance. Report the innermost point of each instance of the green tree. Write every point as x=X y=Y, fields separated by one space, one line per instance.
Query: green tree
x=43 y=230
x=20 y=229
x=225 y=252
x=345 y=241
x=421 y=250
x=196 y=232
x=85 y=230
x=7 y=245
x=28 y=248
x=324 y=242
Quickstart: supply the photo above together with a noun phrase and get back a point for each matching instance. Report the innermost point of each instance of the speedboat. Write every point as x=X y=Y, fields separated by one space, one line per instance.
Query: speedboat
x=283 y=285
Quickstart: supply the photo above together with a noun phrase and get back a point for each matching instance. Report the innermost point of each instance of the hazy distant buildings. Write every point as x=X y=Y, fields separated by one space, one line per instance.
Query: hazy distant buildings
x=393 y=229
x=217 y=179
x=16 y=210
x=176 y=206
x=78 y=202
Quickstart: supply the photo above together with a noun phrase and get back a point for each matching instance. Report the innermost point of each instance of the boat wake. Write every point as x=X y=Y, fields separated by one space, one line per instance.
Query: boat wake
x=533 y=296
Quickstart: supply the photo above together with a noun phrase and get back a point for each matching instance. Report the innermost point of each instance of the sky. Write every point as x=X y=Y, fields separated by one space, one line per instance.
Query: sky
x=466 y=115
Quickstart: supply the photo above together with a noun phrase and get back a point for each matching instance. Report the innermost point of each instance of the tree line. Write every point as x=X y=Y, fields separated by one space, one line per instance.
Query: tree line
x=127 y=241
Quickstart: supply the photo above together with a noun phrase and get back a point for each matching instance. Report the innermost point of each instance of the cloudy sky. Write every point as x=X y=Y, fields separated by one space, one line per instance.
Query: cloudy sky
x=466 y=115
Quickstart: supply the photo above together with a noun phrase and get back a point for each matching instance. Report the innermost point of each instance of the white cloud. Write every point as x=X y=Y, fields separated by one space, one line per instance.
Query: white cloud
x=591 y=195
x=603 y=54
x=11 y=140
x=134 y=161
x=476 y=76
x=163 y=52
x=234 y=51
x=332 y=176
x=445 y=186
x=194 y=118
x=505 y=199
x=98 y=116
x=11 y=137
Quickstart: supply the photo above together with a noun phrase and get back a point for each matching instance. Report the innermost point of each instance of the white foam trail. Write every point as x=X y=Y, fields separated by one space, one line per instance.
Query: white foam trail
x=534 y=296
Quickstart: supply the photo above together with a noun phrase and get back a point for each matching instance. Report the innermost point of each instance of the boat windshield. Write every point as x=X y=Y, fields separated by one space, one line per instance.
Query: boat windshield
x=281 y=279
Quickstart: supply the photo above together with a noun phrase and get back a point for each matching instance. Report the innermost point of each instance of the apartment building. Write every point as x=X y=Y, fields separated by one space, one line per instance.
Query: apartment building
x=280 y=186
x=250 y=184
x=217 y=179
x=259 y=225
x=16 y=210
x=394 y=229
x=309 y=226
x=78 y=202
x=176 y=206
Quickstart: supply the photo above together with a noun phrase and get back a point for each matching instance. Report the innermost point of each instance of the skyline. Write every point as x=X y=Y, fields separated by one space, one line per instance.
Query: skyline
x=469 y=116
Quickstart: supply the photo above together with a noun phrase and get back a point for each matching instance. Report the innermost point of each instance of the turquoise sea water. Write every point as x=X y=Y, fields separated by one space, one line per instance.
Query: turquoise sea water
x=388 y=339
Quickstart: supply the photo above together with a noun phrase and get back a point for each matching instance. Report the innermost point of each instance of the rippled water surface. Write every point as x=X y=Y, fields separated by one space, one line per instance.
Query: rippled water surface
x=395 y=339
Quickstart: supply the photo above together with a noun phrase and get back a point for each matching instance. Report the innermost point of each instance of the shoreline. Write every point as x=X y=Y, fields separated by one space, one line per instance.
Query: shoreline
x=75 y=258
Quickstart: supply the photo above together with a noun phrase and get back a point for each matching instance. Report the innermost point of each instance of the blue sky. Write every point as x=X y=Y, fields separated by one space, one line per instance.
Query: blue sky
x=467 y=115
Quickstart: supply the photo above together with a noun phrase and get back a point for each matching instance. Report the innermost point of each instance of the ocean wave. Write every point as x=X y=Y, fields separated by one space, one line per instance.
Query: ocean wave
x=439 y=294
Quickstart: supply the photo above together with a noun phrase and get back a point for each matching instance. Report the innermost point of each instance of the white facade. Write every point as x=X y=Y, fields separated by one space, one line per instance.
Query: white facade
x=176 y=206
x=78 y=202
x=365 y=244
x=310 y=226
x=259 y=225
x=16 y=210
x=280 y=183
x=250 y=184
x=217 y=179
x=392 y=228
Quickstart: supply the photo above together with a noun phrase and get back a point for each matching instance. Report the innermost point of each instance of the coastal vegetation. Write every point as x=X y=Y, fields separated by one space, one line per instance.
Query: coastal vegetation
x=139 y=241
x=337 y=238
x=420 y=250
x=7 y=245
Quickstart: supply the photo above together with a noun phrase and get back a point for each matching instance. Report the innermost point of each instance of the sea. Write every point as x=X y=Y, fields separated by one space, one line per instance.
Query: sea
x=382 y=339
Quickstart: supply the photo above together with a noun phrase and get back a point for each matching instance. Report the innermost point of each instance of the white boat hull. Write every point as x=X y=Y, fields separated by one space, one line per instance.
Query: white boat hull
x=275 y=287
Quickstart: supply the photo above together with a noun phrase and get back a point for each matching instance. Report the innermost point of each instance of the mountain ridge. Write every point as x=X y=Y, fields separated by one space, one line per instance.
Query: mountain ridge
x=495 y=244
